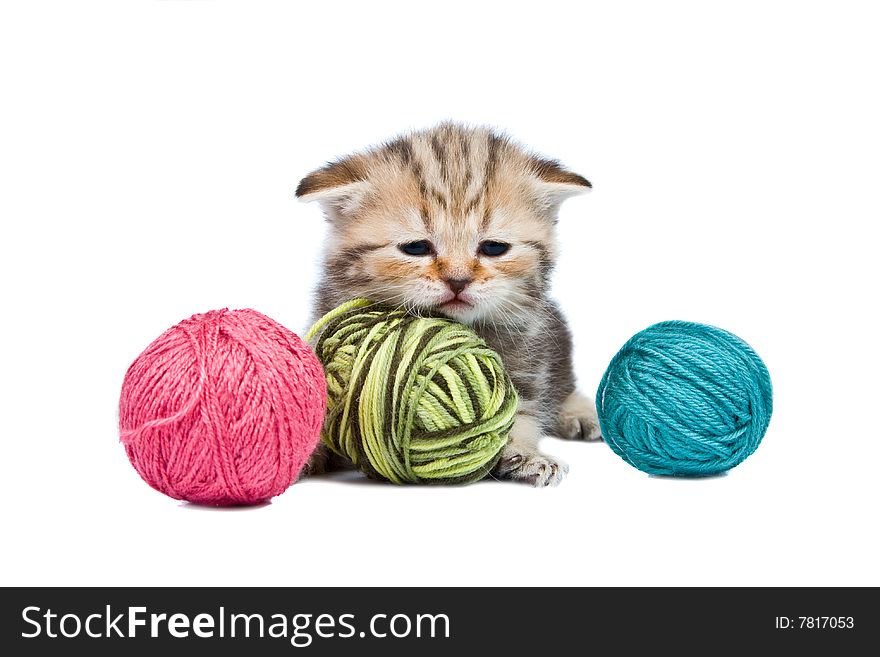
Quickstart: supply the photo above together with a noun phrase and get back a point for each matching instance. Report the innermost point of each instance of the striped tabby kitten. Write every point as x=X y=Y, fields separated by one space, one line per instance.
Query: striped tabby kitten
x=460 y=221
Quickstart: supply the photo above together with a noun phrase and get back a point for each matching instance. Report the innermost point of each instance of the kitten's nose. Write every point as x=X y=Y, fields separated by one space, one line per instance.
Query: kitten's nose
x=457 y=284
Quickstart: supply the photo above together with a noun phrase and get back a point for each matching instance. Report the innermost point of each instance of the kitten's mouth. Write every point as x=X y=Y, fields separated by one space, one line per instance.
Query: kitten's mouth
x=456 y=303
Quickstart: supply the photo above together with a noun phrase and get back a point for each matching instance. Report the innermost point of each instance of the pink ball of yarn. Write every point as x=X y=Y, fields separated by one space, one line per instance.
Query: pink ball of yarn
x=224 y=408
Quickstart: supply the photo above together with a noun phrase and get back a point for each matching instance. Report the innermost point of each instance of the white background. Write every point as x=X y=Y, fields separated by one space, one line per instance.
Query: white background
x=149 y=156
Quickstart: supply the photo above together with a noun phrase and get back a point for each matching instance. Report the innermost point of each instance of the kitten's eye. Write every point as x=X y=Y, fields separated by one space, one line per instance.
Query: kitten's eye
x=420 y=248
x=493 y=249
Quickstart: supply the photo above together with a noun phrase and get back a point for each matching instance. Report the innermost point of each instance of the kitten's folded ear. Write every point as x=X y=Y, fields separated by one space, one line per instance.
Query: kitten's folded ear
x=339 y=187
x=556 y=183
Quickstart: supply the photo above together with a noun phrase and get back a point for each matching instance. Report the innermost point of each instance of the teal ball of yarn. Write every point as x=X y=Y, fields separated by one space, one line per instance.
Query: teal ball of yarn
x=681 y=398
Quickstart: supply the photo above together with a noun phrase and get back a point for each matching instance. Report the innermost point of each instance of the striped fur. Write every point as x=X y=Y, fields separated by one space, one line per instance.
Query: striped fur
x=457 y=187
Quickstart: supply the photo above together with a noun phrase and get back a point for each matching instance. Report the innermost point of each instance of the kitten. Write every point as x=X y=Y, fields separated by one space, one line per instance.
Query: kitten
x=460 y=221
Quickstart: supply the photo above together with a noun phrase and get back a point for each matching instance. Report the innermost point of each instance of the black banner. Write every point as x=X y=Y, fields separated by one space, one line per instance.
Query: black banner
x=332 y=621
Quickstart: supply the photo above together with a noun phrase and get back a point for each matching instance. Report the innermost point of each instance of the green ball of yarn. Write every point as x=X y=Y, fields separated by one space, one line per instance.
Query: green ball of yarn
x=419 y=400
x=681 y=398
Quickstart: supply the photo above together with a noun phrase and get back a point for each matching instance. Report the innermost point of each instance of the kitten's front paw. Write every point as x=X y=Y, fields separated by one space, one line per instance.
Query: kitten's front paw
x=536 y=469
x=318 y=463
x=578 y=419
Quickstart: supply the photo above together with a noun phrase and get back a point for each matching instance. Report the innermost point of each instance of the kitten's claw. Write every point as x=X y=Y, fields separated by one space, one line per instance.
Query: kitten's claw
x=507 y=464
x=539 y=470
x=578 y=419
